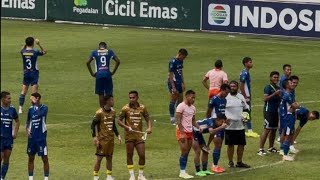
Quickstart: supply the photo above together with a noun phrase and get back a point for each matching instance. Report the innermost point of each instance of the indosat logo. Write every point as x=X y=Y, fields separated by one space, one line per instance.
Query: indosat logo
x=219 y=14
x=83 y=10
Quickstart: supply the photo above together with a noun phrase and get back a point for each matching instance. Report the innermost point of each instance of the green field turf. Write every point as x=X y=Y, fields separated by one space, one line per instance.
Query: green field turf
x=68 y=89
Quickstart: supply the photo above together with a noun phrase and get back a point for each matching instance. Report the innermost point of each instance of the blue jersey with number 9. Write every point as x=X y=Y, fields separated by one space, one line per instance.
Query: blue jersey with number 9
x=30 y=59
x=102 y=58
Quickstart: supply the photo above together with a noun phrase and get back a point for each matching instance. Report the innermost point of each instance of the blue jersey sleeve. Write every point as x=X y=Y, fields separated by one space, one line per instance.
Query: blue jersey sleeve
x=211 y=103
x=210 y=123
x=112 y=54
x=172 y=66
x=92 y=54
x=267 y=90
x=243 y=77
x=14 y=114
x=39 y=53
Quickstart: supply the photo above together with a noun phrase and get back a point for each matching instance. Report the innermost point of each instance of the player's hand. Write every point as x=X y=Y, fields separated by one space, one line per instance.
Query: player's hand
x=37 y=41
x=14 y=136
x=174 y=90
x=183 y=87
x=278 y=92
x=247 y=100
x=224 y=125
x=182 y=138
x=200 y=130
x=29 y=132
x=93 y=75
x=119 y=139
x=228 y=121
x=96 y=141
x=129 y=129
x=149 y=131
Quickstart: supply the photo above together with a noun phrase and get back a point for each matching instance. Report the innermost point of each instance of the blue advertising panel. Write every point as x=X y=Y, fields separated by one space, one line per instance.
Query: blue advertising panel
x=273 y=18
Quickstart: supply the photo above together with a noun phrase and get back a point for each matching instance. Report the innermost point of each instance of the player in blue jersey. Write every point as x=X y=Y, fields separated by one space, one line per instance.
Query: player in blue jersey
x=304 y=115
x=245 y=90
x=176 y=83
x=103 y=75
x=272 y=98
x=208 y=125
x=286 y=73
x=8 y=115
x=30 y=68
x=37 y=134
x=216 y=106
x=287 y=118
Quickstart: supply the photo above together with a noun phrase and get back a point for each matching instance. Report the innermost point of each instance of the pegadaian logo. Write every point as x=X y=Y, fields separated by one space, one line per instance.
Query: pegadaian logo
x=80 y=2
x=219 y=14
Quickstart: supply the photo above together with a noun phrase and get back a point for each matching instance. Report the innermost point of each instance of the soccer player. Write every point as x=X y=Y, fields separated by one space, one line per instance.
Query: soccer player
x=287 y=118
x=208 y=125
x=132 y=113
x=8 y=115
x=176 y=84
x=235 y=132
x=286 y=73
x=185 y=116
x=217 y=77
x=30 y=68
x=217 y=105
x=304 y=115
x=272 y=98
x=37 y=134
x=103 y=129
x=245 y=89
x=103 y=75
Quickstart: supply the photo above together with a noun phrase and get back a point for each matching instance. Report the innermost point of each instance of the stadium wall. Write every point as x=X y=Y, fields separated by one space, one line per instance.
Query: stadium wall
x=283 y=18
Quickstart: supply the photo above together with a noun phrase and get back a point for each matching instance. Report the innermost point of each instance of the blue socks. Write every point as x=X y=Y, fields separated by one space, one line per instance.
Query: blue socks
x=30 y=173
x=171 y=108
x=46 y=173
x=286 y=146
x=183 y=161
x=21 y=99
x=4 y=170
x=216 y=156
x=249 y=126
x=197 y=168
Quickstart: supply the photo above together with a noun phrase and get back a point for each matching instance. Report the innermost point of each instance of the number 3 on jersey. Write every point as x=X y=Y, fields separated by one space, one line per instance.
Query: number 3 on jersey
x=29 y=65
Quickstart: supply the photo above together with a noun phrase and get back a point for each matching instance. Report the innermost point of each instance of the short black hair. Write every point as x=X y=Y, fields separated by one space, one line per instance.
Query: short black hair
x=286 y=65
x=103 y=44
x=107 y=97
x=134 y=92
x=224 y=87
x=294 y=77
x=245 y=60
x=274 y=73
x=221 y=116
x=234 y=82
x=189 y=92
x=183 y=52
x=4 y=94
x=316 y=114
x=218 y=63
x=36 y=95
x=29 y=41
x=285 y=83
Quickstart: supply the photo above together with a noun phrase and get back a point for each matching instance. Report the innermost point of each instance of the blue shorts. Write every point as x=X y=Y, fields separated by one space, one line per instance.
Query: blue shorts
x=104 y=86
x=197 y=136
x=30 y=78
x=178 y=87
x=219 y=134
x=39 y=147
x=289 y=121
x=6 y=144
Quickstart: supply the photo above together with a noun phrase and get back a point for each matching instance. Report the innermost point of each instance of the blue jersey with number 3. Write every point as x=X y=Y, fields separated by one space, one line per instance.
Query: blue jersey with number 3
x=29 y=58
x=102 y=58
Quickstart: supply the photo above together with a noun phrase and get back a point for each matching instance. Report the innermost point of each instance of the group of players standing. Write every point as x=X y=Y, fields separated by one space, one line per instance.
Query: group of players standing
x=227 y=113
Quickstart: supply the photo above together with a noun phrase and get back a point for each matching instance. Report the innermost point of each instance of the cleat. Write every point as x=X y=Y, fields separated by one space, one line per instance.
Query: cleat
x=217 y=169
x=185 y=176
x=231 y=164
x=273 y=150
x=242 y=165
x=207 y=172
x=262 y=152
x=132 y=178
x=20 y=110
x=281 y=152
x=141 y=177
x=252 y=134
x=201 y=174
x=287 y=158
x=293 y=150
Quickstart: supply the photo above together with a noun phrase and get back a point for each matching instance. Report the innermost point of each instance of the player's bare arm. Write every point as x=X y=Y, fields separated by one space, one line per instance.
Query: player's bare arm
x=116 y=66
x=16 y=128
x=89 y=67
x=37 y=41
x=120 y=123
x=209 y=112
x=116 y=132
x=243 y=92
x=213 y=131
x=179 y=123
x=94 y=132
x=174 y=90
x=204 y=82
x=267 y=98
x=183 y=84
x=148 y=121
x=195 y=124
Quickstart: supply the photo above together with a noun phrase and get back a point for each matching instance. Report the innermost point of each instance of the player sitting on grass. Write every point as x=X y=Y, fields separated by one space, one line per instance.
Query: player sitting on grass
x=208 y=125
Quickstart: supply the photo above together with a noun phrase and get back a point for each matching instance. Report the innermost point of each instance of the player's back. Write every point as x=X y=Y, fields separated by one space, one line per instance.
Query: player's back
x=7 y=117
x=218 y=105
x=216 y=78
x=30 y=57
x=102 y=62
x=205 y=124
x=37 y=118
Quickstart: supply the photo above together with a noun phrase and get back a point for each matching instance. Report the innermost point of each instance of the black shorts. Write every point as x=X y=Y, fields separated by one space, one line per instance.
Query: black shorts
x=271 y=120
x=235 y=137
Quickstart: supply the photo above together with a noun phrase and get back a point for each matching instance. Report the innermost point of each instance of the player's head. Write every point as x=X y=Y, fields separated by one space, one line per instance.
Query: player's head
x=247 y=62
x=133 y=97
x=274 y=77
x=220 y=119
x=218 y=64
x=234 y=87
x=29 y=41
x=109 y=100
x=35 y=98
x=287 y=84
x=190 y=97
x=5 y=98
x=182 y=54
x=295 y=81
x=102 y=45
x=313 y=115
x=224 y=90
x=286 y=69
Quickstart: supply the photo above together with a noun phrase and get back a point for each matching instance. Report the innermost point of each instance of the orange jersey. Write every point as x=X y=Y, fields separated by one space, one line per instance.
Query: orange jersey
x=105 y=121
